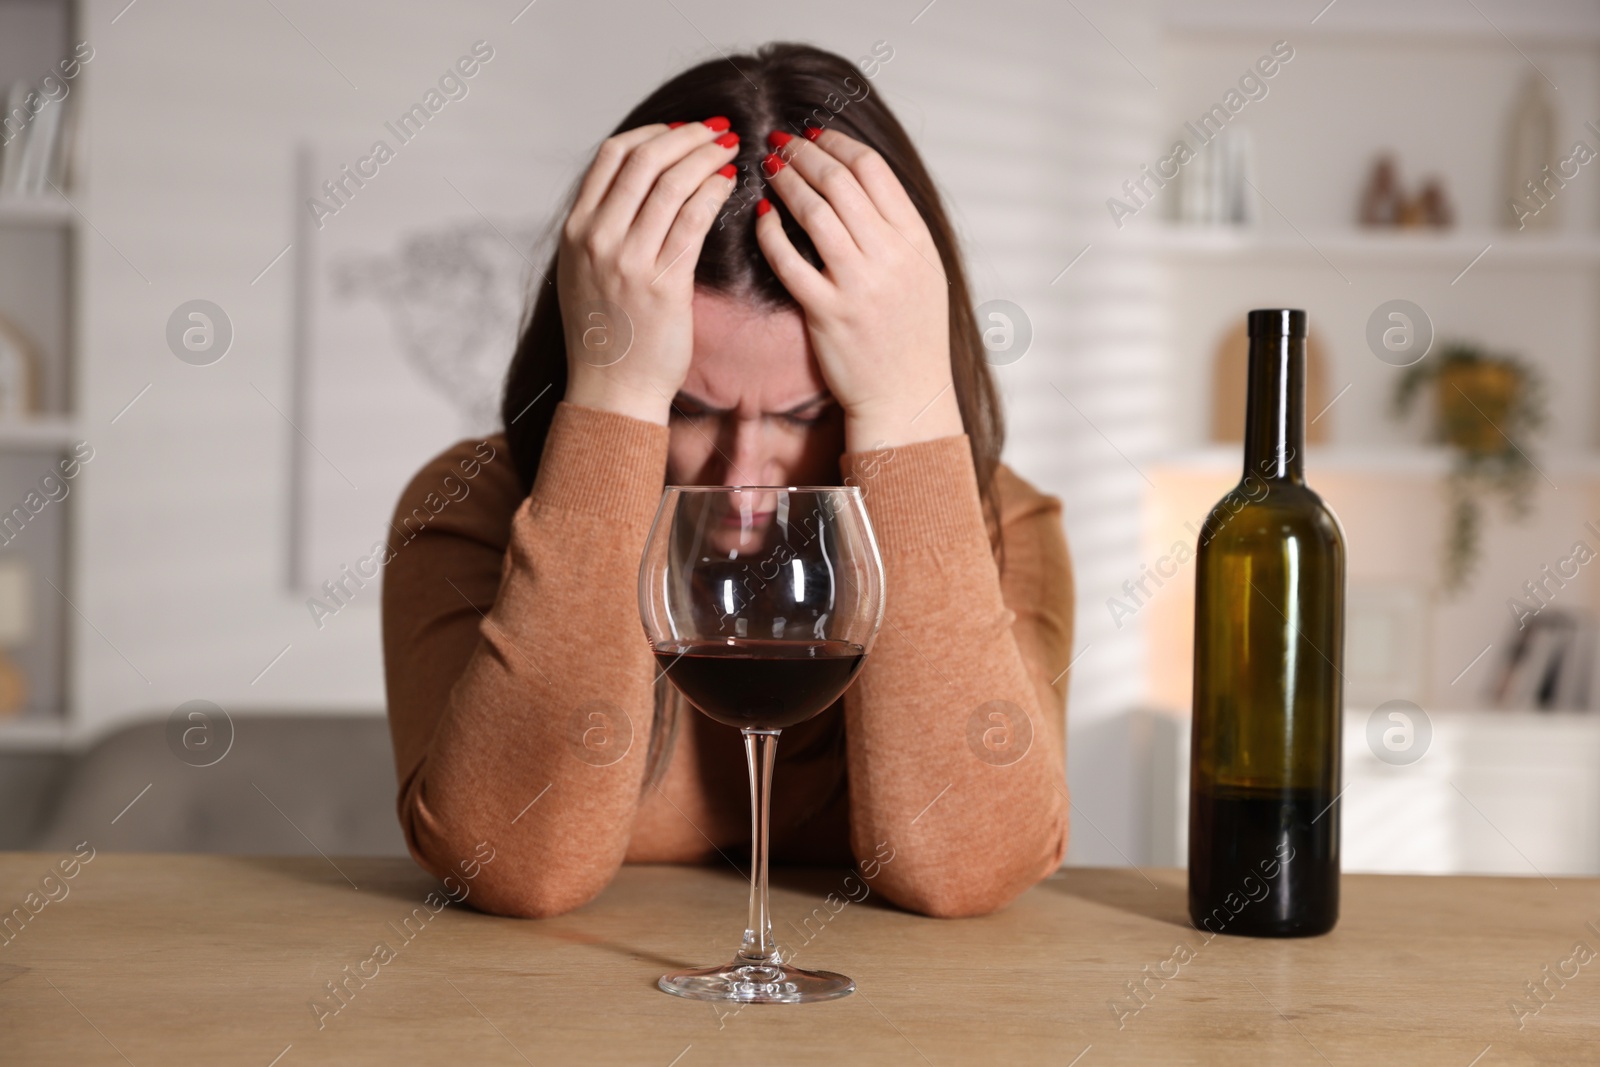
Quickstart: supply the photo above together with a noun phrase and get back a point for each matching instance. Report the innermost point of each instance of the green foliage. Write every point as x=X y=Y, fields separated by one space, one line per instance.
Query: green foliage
x=1502 y=469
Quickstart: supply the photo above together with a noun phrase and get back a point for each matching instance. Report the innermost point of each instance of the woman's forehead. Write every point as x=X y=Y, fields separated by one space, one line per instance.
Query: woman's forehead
x=750 y=357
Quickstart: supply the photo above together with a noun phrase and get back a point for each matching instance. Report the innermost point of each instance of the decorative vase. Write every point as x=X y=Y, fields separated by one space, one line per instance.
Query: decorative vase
x=1530 y=147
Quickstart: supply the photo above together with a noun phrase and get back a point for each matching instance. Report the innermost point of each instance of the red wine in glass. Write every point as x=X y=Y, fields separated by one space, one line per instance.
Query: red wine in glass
x=761 y=683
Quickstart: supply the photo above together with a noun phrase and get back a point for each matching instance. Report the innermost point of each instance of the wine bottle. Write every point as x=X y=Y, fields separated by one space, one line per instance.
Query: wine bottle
x=1268 y=672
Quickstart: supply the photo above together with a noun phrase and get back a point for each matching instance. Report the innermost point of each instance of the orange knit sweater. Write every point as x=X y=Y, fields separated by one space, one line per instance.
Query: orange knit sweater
x=509 y=621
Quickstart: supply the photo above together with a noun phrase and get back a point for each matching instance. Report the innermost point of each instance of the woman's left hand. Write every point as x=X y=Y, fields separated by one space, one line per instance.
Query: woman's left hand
x=878 y=312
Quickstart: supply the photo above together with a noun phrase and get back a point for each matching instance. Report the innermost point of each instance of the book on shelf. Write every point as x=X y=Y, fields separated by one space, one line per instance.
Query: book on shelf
x=1551 y=664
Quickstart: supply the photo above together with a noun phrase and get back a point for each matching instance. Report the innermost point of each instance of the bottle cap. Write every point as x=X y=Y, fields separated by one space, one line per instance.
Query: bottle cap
x=1277 y=322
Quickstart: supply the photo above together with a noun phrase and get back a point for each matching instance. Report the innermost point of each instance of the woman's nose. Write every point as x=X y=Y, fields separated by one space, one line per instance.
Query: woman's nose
x=749 y=456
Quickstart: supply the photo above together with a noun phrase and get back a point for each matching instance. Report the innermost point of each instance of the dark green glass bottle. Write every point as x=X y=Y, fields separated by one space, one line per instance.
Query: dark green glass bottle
x=1268 y=672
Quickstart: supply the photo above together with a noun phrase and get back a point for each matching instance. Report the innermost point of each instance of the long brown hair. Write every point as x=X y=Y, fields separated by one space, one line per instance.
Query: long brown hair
x=781 y=86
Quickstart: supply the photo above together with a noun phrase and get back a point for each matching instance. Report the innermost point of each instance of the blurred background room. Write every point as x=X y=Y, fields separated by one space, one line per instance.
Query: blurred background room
x=221 y=357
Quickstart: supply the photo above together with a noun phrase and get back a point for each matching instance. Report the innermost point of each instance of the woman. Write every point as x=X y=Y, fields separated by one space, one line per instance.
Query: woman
x=684 y=334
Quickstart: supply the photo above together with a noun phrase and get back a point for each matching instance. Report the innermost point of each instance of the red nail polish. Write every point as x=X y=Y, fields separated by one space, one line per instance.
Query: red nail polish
x=778 y=138
x=716 y=122
x=772 y=164
x=728 y=140
x=762 y=207
x=813 y=132
x=728 y=171
x=673 y=125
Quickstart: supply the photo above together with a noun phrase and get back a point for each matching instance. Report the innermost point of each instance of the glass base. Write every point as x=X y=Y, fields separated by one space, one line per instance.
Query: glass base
x=750 y=983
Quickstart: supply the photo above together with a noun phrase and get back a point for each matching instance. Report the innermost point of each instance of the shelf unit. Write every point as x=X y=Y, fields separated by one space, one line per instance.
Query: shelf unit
x=39 y=240
x=1431 y=83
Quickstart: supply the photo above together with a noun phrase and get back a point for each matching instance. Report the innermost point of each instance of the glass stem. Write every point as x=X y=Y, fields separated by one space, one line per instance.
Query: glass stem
x=760 y=746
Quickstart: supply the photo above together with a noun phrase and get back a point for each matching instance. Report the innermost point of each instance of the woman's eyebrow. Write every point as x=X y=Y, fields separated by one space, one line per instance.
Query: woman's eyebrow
x=808 y=402
x=690 y=398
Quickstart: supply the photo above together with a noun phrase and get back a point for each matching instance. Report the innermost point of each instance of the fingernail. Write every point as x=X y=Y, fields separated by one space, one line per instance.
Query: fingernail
x=673 y=125
x=813 y=132
x=728 y=171
x=778 y=138
x=772 y=164
x=716 y=122
x=763 y=206
x=728 y=140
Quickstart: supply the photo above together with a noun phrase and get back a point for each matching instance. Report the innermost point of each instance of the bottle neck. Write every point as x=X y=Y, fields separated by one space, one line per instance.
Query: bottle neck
x=1275 y=413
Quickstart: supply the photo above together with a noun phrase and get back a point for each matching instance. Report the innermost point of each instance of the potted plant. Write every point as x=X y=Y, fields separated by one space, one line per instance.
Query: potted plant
x=1486 y=407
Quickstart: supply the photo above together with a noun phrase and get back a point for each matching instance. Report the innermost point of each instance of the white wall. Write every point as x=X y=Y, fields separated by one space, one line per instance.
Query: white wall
x=1086 y=404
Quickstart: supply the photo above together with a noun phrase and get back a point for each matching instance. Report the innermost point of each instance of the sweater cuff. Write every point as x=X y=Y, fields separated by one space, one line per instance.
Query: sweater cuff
x=601 y=463
x=921 y=496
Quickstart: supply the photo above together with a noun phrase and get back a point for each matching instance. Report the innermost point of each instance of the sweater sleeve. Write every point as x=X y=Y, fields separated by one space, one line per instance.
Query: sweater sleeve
x=510 y=672
x=956 y=725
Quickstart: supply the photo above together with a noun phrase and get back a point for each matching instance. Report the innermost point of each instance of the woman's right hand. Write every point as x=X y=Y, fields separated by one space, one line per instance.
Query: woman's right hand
x=627 y=263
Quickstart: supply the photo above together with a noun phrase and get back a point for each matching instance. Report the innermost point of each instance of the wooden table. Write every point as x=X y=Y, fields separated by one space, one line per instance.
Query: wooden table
x=217 y=960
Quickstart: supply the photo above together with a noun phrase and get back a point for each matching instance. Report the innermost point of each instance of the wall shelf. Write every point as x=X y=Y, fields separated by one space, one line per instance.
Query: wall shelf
x=35 y=210
x=1563 y=22
x=40 y=432
x=1451 y=250
x=35 y=732
x=1402 y=460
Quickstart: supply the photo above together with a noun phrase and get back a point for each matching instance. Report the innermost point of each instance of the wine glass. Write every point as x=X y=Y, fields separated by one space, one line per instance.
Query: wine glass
x=761 y=603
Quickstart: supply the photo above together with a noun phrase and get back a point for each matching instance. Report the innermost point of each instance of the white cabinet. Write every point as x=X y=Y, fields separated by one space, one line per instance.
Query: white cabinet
x=1494 y=793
